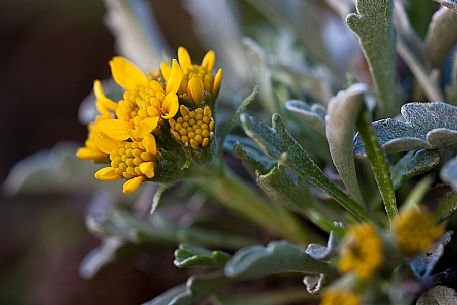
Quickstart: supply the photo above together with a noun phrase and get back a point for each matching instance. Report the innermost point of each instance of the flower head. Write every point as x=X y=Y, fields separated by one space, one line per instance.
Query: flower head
x=198 y=82
x=193 y=127
x=144 y=103
x=106 y=108
x=415 y=231
x=339 y=297
x=134 y=161
x=362 y=251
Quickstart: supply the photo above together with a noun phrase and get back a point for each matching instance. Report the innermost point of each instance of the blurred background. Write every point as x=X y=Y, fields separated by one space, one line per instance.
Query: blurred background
x=50 y=53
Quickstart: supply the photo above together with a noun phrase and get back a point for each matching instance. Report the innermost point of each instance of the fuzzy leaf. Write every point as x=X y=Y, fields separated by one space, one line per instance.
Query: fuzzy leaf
x=451 y=89
x=279 y=145
x=313 y=115
x=313 y=283
x=373 y=25
x=449 y=173
x=426 y=125
x=277 y=257
x=340 y=121
x=447 y=206
x=168 y=296
x=320 y=252
x=423 y=265
x=193 y=256
x=441 y=36
x=450 y=4
x=439 y=295
x=281 y=296
x=412 y=164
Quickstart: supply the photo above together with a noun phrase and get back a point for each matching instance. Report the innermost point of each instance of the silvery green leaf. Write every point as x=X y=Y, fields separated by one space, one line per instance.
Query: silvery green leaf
x=451 y=89
x=313 y=115
x=426 y=125
x=279 y=145
x=412 y=164
x=410 y=48
x=441 y=35
x=313 y=283
x=56 y=170
x=320 y=252
x=340 y=121
x=450 y=4
x=250 y=153
x=193 y=256
x=280 y=296
x=292 y=193
x=439 y=295
x=278 y=257
x=447 y=206
x=423 y=265
x=373 y=25
x=449 y=173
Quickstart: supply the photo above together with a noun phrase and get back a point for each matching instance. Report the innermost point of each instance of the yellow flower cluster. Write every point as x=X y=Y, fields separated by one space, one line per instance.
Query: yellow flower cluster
x=193 y=127
x=123 y=132
x=340 y=297
x=415 y=231
x=362 y=251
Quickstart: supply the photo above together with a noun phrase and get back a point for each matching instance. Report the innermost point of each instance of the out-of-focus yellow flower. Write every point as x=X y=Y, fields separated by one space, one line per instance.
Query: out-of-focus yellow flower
x=134 y=161
x=193 y=127
x=145 y=100
x=415 y=231
x=361 y=251
x=106 y=108
x=340 y=297
x=198 y=82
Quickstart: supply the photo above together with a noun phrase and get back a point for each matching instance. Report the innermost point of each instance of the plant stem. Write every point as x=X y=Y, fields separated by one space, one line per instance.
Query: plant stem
x=379 y=165
x=234 y=193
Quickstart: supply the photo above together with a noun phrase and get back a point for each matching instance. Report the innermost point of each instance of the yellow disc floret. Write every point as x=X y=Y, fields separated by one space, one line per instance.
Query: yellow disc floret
x=194 y=128
x=361 y=251
x=339 y=297
x=134 y=161
x=415 y=231
x=198 y=82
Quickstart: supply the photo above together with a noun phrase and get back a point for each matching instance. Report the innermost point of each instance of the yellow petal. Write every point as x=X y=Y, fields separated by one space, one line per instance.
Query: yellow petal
x=165 y=69
x=184 y=58
x=170 y=106
x=88 y=154
x=174 y=80
x=107 y=174
x=105 y=143
x=208 y=60
x=126 y=74
x=147 y=168
x=131 y=185
x=149 y=143
x=103 y=103
x=114 y=128
x=147 y=126
x=184 y=110
x=217 y=83
x=196 y=89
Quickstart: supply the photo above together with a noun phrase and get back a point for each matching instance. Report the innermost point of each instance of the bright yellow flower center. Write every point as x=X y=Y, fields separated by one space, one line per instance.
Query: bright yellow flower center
x=362 y=251
x=415 y=231
x=193 y=127
x=340 y=297
x=192 y=75
x=129 y=157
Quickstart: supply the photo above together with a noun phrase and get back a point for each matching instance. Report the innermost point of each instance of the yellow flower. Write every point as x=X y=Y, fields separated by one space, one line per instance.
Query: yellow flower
x=340 y=297
x=198 y=82
x=416 y=230
x=193 y=127
x=134 y=161
x=106 y=108
x=145 y=100
x=361 y=251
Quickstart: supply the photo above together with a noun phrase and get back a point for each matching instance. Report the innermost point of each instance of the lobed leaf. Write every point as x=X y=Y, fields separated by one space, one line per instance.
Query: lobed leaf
x=447 y=206
x=439 y=295
x=313 y=115
x=449 y=173
x=193 y=256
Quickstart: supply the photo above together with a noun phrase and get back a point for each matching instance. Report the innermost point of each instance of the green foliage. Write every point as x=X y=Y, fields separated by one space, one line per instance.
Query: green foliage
x=192 y=256
x=439 y=295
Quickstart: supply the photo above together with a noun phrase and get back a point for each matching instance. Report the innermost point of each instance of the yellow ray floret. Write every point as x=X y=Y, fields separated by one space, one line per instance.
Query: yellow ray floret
x=194 y=128
x=362 y=251
x=134 y=161
x=340 y=297
x=198 y=83
x=415 y=231
x=144 y=102
x=106 y=108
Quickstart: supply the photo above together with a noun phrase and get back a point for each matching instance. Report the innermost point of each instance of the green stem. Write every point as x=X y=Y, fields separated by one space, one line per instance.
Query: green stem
x=235 y=194
x=379 y=165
